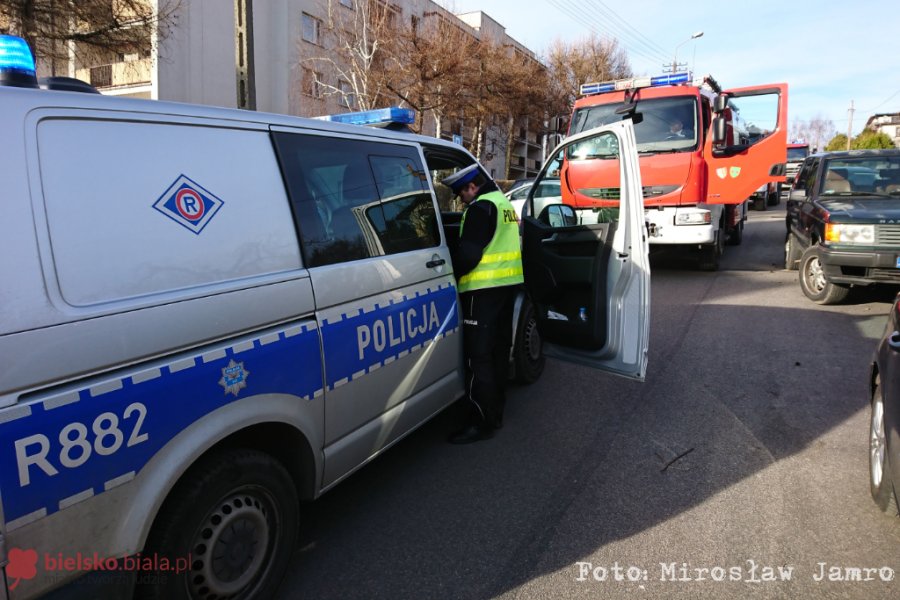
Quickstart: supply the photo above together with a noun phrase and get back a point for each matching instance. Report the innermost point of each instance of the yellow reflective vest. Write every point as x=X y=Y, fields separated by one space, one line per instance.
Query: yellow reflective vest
x=501 y=262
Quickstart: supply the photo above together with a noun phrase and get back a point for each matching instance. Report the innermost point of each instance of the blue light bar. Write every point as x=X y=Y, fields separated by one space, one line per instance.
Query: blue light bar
x=380 y=116
x=670 y=79
x=589 y=89
x=15 y=55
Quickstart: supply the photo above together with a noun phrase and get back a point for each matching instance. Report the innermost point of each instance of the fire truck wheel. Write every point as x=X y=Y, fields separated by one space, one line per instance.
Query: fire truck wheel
x=711 y=253
x=528 y=354
x=235 y=517
x=736 y=235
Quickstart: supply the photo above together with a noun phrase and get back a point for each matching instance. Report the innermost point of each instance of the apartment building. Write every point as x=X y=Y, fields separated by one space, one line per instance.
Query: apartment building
x=196 y=63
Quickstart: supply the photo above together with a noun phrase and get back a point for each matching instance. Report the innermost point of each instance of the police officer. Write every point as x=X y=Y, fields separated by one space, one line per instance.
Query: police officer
x=487 y=264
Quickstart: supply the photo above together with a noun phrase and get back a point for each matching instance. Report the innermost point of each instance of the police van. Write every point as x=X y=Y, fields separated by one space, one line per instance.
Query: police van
x=208 y=316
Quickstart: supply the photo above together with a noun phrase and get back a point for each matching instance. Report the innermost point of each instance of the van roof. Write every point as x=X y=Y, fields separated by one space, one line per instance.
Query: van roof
x=35 y=98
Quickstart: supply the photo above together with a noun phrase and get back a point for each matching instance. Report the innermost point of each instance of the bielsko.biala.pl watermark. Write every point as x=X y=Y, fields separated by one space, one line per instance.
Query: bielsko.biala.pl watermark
x=748 y=571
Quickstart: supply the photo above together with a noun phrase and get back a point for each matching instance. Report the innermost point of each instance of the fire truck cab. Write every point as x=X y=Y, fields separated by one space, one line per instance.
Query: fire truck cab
x=703 y=152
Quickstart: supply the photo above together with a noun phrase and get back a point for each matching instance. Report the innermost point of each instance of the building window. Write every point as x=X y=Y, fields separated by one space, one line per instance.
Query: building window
x=347 y=98
x=311 y=26
x=312 y=83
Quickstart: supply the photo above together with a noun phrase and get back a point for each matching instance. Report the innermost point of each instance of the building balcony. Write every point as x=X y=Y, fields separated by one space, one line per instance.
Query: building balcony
x=132 y=73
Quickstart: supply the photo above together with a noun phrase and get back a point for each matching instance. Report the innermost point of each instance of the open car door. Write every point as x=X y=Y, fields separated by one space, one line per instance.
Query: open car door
x=588 y=270
x=748 y=147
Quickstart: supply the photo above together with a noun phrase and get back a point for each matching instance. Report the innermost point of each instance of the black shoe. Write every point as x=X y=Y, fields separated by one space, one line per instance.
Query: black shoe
x=472 y=433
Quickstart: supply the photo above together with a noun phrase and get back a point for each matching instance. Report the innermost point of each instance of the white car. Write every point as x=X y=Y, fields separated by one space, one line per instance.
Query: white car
x=548 y=188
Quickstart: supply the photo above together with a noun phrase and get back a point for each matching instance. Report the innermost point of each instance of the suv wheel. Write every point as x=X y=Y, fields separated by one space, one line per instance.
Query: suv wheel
x=792 y=252
x=814 y=283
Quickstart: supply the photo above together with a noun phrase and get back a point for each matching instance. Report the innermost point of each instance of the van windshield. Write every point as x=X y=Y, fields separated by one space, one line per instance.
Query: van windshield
x=668 y=125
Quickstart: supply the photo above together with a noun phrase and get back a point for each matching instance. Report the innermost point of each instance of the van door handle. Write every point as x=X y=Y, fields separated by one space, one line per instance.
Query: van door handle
x=435 y=263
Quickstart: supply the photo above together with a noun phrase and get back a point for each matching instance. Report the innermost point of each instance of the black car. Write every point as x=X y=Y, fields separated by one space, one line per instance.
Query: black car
x=843 y=222
x=884 y=424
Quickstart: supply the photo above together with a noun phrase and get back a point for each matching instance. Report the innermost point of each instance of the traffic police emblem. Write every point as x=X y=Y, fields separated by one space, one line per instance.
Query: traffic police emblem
x=234 y=377
x=188 y=204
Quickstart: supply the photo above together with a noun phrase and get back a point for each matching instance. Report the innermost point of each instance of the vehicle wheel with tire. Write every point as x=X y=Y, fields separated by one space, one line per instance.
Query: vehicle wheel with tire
x=236 y=514
x=792 y=252
x=881 y=485
x=736 y=235
x=774 y=198
x=528 y=353
x=813 y=282
x=711 y=253
x=760 y=203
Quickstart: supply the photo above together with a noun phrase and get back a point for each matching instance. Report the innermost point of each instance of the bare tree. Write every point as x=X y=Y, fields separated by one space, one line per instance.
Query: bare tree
x=357 y=50
x=571 y=64
x=59 y=31
x=820 y=131
x=816 y=132
x=433 y=57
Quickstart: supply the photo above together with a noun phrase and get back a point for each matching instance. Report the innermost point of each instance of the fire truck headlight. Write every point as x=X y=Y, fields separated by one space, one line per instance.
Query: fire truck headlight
x=700 y=217
x=844 y=233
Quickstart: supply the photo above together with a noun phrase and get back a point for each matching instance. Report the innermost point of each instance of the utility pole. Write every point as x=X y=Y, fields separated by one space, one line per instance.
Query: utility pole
x=849 y=123
x=243 y=57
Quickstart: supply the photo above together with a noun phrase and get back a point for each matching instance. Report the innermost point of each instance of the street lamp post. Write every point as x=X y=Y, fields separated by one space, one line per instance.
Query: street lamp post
x=693 y=37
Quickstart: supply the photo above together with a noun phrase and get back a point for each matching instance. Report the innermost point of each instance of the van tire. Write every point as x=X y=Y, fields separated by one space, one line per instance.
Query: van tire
x=231 y=501
x=528 y=354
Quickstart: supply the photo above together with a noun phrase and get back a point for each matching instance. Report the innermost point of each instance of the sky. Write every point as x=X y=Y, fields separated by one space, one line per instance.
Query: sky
x=829 y=53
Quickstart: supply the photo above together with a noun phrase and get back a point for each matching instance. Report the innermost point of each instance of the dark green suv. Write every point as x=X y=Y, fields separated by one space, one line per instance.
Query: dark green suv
x=843 y=222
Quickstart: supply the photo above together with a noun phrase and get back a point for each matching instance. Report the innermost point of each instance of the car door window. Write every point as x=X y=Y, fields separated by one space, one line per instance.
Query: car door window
x=355 y=199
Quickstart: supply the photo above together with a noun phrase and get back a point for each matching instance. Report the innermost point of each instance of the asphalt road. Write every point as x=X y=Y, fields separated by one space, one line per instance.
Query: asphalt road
x=743 y=457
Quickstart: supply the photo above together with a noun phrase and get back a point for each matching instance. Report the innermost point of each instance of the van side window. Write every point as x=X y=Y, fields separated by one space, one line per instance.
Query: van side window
x=354 y=199
x=407 y=220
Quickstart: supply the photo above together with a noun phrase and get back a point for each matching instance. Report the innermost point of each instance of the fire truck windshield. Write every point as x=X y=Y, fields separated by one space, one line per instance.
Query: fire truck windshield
x=668 y=125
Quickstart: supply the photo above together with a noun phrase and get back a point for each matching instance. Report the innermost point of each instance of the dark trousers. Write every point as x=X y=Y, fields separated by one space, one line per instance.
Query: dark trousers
x=487 y=338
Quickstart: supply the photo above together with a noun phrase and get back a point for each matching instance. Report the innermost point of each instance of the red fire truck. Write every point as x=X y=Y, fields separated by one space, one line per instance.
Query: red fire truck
x=703 y=152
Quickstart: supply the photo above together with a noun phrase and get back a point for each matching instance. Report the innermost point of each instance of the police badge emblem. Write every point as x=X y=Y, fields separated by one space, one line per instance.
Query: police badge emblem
x=234 y=377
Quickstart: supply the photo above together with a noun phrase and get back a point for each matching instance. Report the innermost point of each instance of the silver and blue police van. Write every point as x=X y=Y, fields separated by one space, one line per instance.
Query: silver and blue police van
x=208 y=316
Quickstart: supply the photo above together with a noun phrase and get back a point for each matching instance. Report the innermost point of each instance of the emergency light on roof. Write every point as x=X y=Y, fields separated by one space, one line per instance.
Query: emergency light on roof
x=16 y=62
x=380 y=116
x=589 y=89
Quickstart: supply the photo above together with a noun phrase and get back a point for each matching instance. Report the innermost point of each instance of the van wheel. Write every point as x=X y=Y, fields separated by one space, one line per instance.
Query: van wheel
x=528 y=353
x=813 y=282
x=235 y=514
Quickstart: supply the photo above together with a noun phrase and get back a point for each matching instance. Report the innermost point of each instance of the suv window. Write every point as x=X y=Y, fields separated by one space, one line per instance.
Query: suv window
x=355 y=199
x=806 y=178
